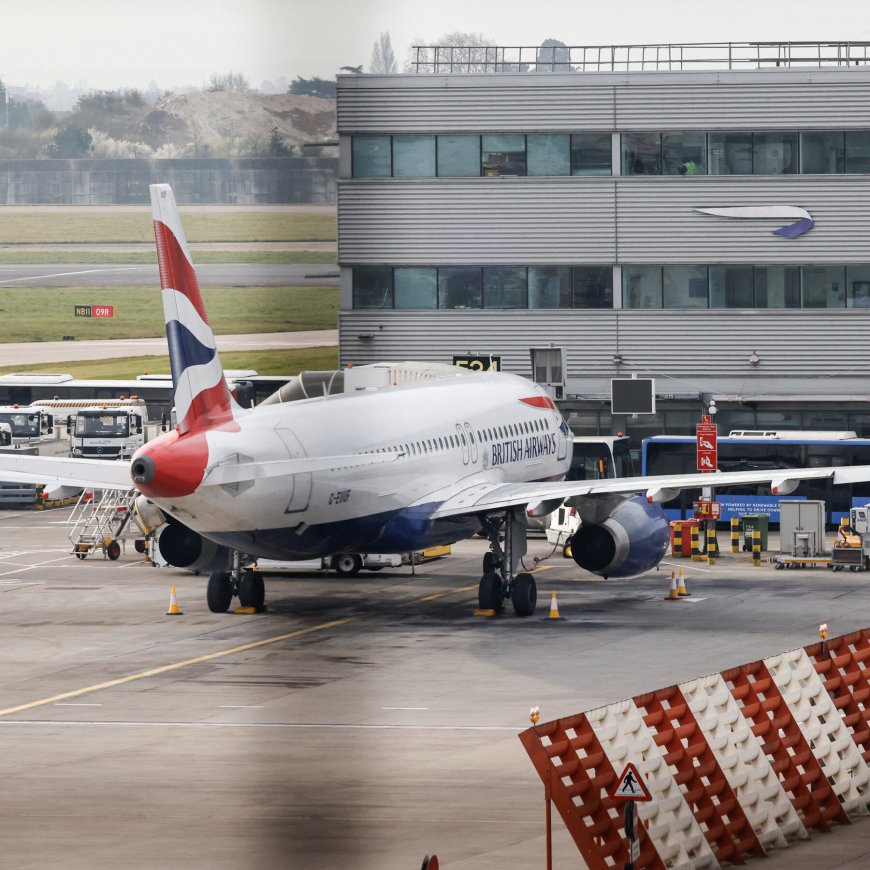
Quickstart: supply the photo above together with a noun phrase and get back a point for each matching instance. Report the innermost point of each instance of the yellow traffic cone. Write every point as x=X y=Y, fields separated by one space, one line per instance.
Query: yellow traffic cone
x=681 y=588
x=673 y=595
x=174 y=609
x=554 y=607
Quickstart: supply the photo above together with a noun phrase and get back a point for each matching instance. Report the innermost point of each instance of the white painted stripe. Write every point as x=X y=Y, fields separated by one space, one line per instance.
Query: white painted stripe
x=131 y=723
x=176 y=306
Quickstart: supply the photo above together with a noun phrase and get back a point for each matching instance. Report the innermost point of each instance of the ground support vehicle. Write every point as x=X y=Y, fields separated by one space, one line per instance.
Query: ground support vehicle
x=852 y=549
x=102 y=521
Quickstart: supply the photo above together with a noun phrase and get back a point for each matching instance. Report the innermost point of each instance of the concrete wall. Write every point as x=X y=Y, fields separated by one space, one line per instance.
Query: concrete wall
x=242 y=181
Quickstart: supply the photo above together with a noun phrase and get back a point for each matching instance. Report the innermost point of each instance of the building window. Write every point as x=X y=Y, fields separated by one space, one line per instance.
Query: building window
x=549 y=287
x=824 y=287
x=858 y=151
x=459 y=287
x=684 y=153
x=731 y=287
x=730 y=153
x=593 y=287
x=503 y=154
x=372 y=287
x=504 y=287
x=548 y=154
x=684 y=287
x=641 y=154
x=774 y=153
x=777 y=287
x=413 y=156
x=371 y=157
x=591 y=154
x=458 y=156
x=823 y=153
x=415 y=287
x=642 y=286
x=858 y=286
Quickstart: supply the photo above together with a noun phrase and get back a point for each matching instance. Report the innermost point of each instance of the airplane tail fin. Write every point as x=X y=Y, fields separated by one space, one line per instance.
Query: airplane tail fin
x=202 y=397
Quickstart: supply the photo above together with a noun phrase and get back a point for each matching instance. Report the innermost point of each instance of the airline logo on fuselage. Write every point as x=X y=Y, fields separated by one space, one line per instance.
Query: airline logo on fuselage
x=523 y=449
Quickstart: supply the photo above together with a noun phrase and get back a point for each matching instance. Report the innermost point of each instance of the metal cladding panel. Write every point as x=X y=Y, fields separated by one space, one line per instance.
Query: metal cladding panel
x=802 y=346
x=658 y=222
x=477 y=221
x=749 y=105
x=453 y=104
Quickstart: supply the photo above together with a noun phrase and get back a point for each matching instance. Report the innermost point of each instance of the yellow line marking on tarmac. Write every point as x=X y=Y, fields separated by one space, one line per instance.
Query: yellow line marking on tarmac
x=176 y=666
x=443 y=594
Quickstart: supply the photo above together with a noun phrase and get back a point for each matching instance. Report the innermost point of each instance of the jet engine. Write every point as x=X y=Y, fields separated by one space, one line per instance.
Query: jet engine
x=630 y=540
x=185 y=548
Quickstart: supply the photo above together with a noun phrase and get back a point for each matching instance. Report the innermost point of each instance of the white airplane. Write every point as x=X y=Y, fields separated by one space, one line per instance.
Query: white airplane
x=410 y=455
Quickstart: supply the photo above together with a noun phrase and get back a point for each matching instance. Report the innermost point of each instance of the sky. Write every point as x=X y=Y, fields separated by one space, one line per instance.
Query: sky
x=110 y=44
x=332 y=33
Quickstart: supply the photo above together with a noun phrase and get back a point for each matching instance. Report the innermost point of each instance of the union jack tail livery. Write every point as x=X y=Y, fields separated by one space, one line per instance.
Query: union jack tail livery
x=202 y=397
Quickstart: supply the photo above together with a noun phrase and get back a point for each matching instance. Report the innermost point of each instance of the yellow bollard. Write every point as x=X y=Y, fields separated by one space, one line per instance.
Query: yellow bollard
x=677 y=549
x=711 y=544
x=735 y=535
x=696 y=546
x=756 y=548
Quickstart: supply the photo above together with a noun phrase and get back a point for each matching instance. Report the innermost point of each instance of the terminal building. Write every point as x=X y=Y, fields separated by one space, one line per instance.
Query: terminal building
x=699 y=215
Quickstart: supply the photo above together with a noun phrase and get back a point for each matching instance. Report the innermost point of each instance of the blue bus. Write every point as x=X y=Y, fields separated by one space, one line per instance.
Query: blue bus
x=749 y=450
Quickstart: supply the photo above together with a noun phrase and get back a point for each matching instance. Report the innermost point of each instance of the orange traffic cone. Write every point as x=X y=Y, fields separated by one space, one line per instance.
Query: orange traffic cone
x=174 y=609
x=681 y=588
x=554 y=607
x=673 y=595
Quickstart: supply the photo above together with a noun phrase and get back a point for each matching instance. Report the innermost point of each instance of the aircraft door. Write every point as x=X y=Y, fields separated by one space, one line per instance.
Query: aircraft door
x=472 y=443
x=463 y=443
x=300 y=484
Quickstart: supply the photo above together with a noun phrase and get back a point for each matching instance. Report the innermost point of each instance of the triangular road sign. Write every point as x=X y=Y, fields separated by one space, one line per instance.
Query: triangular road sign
x=630 y=786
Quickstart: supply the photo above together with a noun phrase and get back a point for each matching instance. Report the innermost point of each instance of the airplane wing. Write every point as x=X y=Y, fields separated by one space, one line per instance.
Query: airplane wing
x=484 y=497
x=99 y=473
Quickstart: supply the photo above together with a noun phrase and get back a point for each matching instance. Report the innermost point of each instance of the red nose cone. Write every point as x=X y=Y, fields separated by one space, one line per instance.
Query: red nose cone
x=170 y=466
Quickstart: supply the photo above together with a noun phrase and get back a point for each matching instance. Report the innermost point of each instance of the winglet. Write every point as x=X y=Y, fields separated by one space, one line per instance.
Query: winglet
x=202 y=397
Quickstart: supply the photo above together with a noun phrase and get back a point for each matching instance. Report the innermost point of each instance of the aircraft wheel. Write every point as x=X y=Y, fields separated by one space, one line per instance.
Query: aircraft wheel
x=252 y=590
x=524 y=594
x=490 y=562
x=113 y=551
x=219 y=592
x=139 y=544
x=347 y=564
x=489 y=593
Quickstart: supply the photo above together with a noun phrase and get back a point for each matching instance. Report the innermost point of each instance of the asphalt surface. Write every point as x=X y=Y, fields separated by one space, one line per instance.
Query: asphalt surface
x=209 y=274
x=359 y=723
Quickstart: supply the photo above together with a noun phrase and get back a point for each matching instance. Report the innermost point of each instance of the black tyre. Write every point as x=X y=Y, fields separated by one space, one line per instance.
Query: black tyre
x=252 y=590
x=139 y=544
x=113 y=551
x=219 y=592
x=524 y=594
x=490 y=563
x=81 y=552
x=489 y=592
x=347 y=564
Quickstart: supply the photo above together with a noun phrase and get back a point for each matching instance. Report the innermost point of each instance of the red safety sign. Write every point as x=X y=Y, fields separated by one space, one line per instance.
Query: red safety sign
x=630 y=786
x=706 y=448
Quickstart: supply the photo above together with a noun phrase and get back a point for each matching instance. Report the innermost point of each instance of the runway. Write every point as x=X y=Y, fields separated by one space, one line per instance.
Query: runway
x=360 y=722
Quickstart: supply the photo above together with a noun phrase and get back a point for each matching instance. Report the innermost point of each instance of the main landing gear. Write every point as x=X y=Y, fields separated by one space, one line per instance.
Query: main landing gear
x=507 y=545
x=224 y=585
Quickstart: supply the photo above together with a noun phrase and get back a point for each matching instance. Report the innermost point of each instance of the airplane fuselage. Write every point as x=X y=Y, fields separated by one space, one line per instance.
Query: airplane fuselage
x=440 y=435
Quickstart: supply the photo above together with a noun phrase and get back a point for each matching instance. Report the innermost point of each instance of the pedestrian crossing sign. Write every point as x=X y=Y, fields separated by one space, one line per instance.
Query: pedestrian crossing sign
x=630 y=786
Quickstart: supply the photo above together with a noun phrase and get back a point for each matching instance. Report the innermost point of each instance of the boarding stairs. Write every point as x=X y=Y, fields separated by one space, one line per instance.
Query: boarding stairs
x=101 y=520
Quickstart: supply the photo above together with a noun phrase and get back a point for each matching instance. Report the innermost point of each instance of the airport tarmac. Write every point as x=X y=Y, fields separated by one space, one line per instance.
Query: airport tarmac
x=359 y=723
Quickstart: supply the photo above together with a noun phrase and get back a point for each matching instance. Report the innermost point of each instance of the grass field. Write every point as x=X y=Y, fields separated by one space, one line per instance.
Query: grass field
x=48 y=314
x=273 y=362
x=90 y=227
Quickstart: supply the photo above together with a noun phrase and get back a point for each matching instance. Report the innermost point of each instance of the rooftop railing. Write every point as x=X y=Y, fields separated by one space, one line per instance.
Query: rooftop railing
x=441 y=59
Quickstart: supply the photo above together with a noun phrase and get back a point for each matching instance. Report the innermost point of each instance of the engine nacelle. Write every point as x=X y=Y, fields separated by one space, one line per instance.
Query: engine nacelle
x=631 y=540
x=185 y=548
